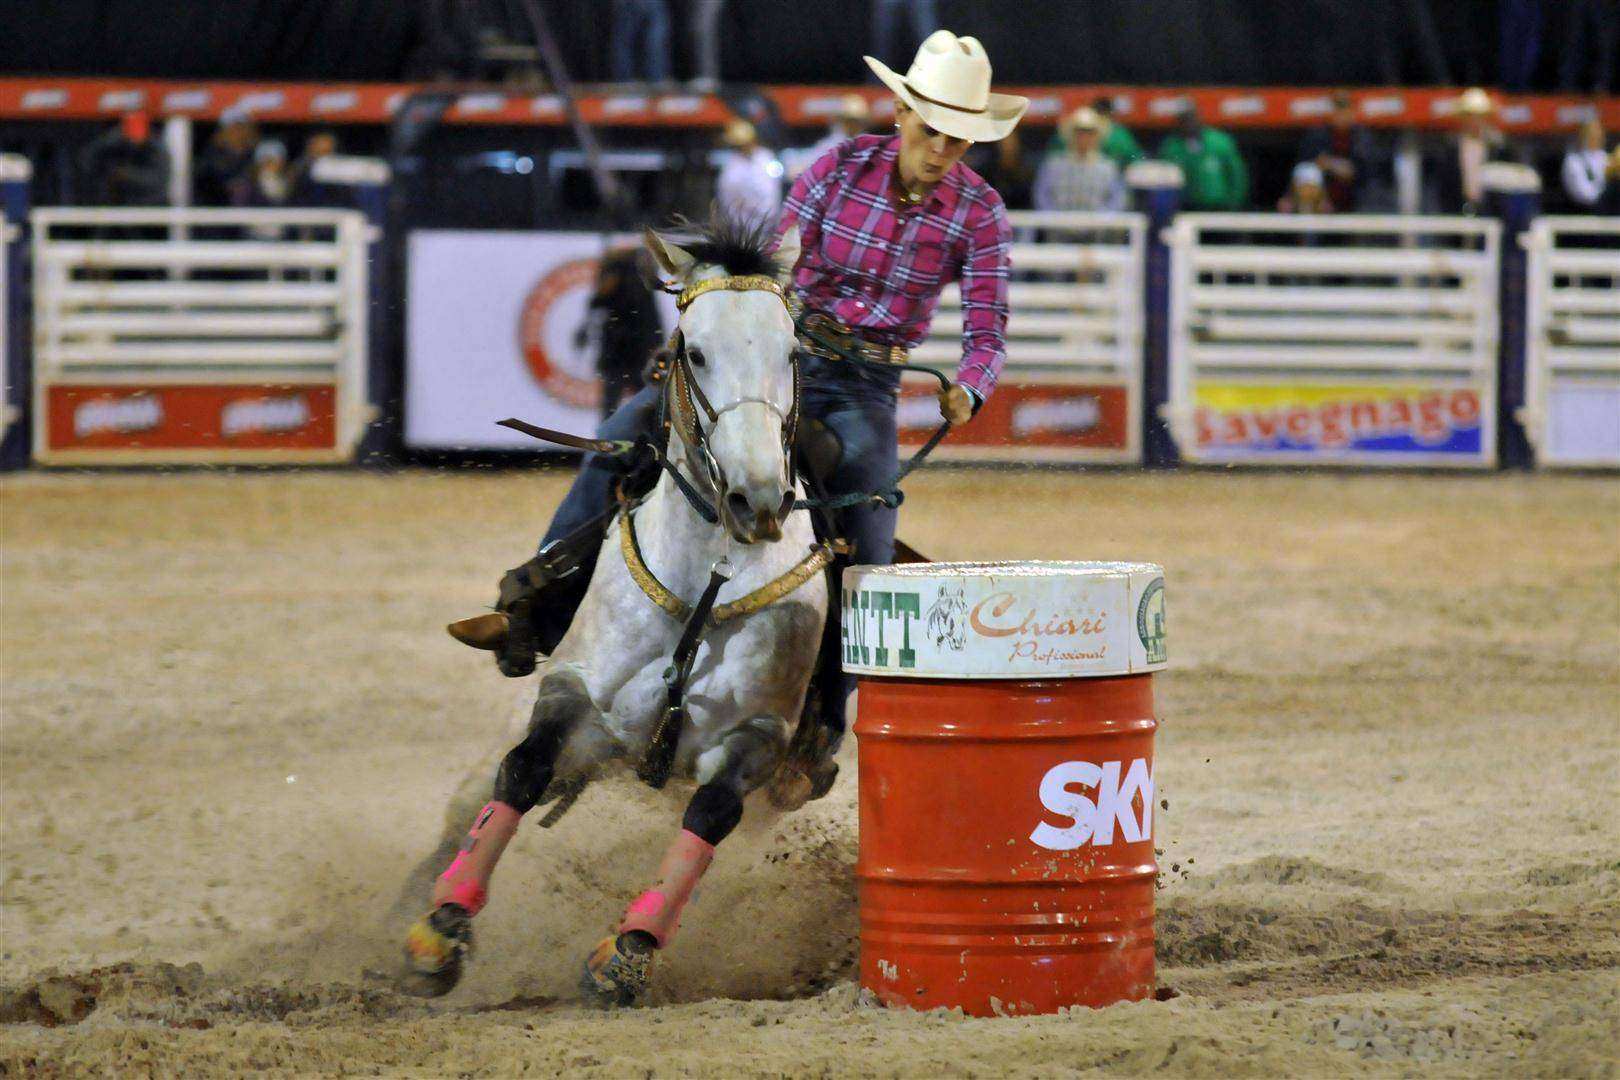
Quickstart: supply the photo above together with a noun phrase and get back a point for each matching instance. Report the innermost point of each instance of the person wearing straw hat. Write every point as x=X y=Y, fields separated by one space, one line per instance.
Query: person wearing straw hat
x=750 y=182
x=1477 y=140
x=885 y=222
x=850 y=120
x=1083 y=178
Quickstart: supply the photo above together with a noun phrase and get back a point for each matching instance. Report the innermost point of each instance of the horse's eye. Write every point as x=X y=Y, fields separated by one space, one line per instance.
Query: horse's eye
x=696 y=357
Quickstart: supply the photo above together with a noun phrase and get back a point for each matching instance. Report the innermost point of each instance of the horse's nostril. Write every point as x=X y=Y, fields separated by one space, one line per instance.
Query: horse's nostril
x=737 y=503
x=787 y=506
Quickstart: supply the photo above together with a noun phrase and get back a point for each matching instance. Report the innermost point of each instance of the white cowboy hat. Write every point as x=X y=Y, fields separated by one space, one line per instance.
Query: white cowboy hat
x=949 y=87
x=1085 y=118
x=1475 y=102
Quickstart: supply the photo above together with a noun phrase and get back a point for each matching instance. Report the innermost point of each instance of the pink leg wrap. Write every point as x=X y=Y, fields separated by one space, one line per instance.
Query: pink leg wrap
x=466 y=880
x=658 y=910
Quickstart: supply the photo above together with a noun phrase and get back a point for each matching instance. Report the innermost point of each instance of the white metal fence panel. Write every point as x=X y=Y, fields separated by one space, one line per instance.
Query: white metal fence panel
x=1072 y=387
x=1572 y=364
x=9 y=413
x=1333 y=339
x=187 y=335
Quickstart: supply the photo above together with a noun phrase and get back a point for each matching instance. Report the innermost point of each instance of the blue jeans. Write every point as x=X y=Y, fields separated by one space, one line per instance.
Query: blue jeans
x=643 y=22
x=857 y=404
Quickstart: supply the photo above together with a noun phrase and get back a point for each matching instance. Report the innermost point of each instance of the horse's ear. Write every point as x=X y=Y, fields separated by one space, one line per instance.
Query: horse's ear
x=787 y=253
x=672 y=259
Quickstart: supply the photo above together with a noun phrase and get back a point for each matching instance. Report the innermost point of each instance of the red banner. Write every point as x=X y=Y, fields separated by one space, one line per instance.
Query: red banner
x=45 y=98
x=1070 y=416
x=219 y=418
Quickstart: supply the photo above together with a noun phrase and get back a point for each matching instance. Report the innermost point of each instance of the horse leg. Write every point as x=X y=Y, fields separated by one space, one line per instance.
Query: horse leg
x=471 y=794
x=616 y=970
x=438 y=943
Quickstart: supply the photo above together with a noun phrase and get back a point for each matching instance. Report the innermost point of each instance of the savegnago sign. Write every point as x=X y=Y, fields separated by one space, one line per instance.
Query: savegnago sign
x=1004 y=620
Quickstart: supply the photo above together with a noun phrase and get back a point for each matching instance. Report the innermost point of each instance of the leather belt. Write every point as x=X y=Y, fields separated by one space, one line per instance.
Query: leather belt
x=830 y=330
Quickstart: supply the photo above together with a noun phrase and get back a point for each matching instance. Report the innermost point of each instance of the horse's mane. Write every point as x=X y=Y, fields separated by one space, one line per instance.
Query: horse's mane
x=741 y=243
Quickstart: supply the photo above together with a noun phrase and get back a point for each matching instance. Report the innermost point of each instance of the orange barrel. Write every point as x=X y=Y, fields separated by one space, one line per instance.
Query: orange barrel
x=1005 y=719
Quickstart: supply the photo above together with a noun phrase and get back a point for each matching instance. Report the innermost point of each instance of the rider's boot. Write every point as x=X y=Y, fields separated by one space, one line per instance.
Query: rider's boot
x=438 y=944
x=617 y=969
x=536 y=603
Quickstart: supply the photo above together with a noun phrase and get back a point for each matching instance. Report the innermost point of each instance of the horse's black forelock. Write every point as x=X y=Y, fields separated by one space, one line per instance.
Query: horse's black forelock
x=739 y=243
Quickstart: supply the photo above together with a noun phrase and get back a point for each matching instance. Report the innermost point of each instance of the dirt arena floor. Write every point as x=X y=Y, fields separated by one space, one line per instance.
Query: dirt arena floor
x=232 y=719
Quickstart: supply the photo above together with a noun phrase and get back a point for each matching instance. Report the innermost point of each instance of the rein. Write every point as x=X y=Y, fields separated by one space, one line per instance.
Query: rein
x=686 y=405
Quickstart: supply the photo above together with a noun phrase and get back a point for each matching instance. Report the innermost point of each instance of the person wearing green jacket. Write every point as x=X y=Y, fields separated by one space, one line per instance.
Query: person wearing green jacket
x=1213 y=174
x=1118 y=144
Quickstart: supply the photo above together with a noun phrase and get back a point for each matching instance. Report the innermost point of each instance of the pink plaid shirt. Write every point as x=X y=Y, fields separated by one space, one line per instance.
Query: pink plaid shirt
x=879 y=269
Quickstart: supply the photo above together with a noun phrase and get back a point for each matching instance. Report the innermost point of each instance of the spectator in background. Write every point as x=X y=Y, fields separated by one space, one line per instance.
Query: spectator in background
x=1214 y=176
x=1591 y=175
x=705 y=38
x=623 y=314
x=1476 y=140
x=272 y=181
x=852 y=118
x=1084 y=178
x=1306 y=192
x=887 y=45
x=1117 y=143
x=127 y=166
x=750 y=183
x=306 y=189
x=1342 y=151
x=640 y=49
x=222 y=177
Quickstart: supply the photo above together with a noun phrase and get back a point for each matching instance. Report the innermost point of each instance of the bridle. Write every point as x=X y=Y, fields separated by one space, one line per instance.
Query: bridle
x=687 y=406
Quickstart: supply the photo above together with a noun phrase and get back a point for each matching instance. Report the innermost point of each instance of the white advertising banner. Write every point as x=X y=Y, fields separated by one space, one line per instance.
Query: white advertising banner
x=491 y=328
x=1583 y=425
x=1004 y=620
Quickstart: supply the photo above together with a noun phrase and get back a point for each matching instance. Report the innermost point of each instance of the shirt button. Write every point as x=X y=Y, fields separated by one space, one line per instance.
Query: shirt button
x=861 y=304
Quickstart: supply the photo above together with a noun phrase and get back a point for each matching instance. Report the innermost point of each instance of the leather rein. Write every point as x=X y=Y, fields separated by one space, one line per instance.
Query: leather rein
x=686 y=406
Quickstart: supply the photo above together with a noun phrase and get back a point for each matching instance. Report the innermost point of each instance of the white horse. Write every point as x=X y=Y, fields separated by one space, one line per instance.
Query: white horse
x=603 y=694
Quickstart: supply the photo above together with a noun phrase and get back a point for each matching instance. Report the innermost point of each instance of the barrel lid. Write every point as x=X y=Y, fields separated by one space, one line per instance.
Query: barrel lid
x=1004 y=620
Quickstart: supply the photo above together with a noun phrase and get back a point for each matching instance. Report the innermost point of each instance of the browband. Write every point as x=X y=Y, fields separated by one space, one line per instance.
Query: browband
x=741 y=283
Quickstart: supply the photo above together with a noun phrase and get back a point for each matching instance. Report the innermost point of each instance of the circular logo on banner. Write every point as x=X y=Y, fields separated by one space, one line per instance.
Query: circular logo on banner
x=551 y=313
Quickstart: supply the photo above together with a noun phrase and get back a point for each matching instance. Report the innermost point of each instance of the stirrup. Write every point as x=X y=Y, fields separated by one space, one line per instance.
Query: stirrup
x=617 y=970
x=437 y=947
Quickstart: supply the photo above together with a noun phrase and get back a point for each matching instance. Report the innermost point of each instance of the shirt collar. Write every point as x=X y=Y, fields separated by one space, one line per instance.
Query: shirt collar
x=945 y=193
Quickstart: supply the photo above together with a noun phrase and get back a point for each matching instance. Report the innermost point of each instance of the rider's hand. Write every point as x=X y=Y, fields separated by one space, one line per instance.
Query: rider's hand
x=956 y=404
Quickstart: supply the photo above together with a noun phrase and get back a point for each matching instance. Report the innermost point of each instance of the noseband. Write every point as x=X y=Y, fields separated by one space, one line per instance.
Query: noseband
x=687 y=404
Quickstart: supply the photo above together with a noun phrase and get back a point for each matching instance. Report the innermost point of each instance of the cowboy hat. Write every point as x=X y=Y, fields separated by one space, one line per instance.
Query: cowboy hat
x=1475 y=102
x=1085 y=118
x=738 y=132
x=948 y=85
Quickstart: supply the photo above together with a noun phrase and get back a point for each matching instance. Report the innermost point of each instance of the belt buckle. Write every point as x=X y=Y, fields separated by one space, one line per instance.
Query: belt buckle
x=833 y=330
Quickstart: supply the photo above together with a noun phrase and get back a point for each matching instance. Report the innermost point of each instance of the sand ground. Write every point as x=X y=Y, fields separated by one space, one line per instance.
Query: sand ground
x=1390 y=747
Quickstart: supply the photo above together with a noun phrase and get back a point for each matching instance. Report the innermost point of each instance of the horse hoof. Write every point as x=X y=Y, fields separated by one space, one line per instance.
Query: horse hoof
x=437 y=947
x=616 y=971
